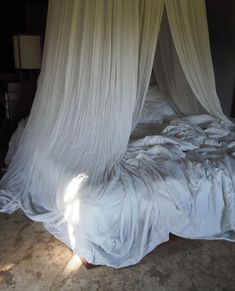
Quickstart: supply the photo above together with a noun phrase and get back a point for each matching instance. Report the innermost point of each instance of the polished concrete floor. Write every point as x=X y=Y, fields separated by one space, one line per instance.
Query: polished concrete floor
x=32 y=259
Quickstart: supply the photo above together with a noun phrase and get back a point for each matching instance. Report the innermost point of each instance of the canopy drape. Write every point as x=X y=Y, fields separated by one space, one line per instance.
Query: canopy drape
x=189 y=29
x=170 y=76
x=149 y=26
x=95 y=73
x=97 y=63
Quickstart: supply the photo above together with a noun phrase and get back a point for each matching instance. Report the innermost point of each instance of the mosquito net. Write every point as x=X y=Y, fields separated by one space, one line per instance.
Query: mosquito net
x=97 y=63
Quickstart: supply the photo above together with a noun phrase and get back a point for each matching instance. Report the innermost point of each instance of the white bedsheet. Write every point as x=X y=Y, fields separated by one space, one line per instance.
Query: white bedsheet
x=181 y=181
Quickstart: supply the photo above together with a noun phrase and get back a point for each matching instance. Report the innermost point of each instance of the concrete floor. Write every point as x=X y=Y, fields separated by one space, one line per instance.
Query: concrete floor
x=32 y=259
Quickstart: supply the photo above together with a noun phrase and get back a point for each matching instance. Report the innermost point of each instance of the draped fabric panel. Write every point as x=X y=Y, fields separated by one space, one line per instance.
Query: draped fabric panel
x=149 y=26
x=170 y=76
x=188 y=24
x=96 y=67
x=82 y=115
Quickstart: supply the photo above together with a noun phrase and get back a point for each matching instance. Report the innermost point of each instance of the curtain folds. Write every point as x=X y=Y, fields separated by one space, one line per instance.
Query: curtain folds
x=81 y=119
x=170 y=76
x=149 y=27
x=188 y=25
x=96 y=68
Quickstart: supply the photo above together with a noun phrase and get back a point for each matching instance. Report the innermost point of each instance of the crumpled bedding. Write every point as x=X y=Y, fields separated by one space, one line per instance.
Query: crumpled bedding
x=181 y=181
x=176 y=177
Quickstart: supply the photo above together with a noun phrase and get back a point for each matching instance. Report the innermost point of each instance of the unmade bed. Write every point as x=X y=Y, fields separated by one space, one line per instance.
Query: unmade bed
x=177 y=176
x=111 y=193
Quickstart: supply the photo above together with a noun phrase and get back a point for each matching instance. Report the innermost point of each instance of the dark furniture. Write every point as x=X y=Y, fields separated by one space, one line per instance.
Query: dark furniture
x=18 y=101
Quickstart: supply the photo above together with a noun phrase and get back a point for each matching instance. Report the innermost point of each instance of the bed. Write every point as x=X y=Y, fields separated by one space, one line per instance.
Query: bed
x=177 y=176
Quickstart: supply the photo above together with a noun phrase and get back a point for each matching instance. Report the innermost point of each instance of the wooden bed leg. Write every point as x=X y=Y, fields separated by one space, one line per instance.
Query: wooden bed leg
x=88 y=265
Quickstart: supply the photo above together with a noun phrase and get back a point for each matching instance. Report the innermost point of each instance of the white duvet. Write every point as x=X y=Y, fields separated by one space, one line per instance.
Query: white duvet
x=178 y=178
x=181 y=181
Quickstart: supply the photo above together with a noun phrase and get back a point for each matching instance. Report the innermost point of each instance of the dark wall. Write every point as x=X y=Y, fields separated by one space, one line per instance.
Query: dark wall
x=221 y=23
x=19 y=17
x=11 y=22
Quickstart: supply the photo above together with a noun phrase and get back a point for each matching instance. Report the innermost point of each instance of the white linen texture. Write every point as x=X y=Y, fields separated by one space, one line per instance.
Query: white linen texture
x=112 y=191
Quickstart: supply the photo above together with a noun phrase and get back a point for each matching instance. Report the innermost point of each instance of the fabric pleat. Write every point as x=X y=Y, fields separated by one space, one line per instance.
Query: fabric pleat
x=170 y=76
x=189 y=28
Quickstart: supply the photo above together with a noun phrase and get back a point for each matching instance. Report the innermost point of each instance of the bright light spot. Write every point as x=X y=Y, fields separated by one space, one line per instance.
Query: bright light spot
x=74 y=186
x=74 y=264
x=76 y=209
x=6 y=267
x=72 y=237
x=72 y=205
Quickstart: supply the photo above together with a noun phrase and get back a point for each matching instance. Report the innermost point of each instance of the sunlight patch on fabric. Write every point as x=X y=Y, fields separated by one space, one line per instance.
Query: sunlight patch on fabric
x=72 y=202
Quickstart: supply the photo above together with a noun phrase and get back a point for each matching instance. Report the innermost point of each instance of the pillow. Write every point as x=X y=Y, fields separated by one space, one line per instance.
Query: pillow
x=156 y=109
x=199 y=119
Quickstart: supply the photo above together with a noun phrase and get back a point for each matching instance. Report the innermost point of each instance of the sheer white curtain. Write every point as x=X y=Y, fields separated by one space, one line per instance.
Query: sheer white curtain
x=149 y=26
x=96 y=67
x=170 y=76
x=188 y=24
